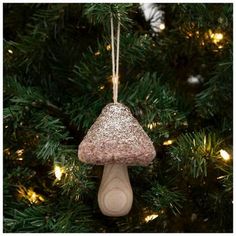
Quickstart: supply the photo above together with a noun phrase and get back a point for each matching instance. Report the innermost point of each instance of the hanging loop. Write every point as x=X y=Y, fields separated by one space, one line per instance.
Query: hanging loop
x=115 y=59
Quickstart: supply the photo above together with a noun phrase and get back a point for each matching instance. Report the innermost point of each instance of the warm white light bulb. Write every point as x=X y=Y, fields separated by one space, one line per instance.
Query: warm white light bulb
x=162 y=26
x=102 y=87
x=167 y=142
x=151 y=217
x=150 y=126
x=58 y=172
x=218 y=36
x=108 y=47
x=225 y=155
x=20 y=152
x=10 y=51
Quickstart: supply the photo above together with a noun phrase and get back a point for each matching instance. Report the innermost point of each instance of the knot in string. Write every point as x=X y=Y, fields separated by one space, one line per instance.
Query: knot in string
x=115 y=59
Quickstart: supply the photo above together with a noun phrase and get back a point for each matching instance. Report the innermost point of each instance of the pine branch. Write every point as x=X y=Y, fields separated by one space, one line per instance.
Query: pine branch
x=100 y=13
x=193 y=152
x=163 y=198
x=153 y=105
x=208 y=101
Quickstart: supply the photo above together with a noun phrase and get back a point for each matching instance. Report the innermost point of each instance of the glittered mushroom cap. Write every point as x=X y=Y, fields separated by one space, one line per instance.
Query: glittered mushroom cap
x=116 y=137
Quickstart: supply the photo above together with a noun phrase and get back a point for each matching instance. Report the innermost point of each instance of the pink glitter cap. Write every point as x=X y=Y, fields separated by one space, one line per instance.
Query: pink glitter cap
x=116 y=137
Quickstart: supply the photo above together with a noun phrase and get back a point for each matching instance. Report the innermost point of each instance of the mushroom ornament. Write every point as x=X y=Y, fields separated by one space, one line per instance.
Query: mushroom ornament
x=116 y=140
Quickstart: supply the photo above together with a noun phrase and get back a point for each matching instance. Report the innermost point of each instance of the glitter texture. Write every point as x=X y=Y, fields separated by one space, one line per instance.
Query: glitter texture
x=116 y=137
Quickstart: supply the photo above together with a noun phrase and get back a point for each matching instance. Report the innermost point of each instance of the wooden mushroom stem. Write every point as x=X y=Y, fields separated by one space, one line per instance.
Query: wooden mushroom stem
x=115 y=195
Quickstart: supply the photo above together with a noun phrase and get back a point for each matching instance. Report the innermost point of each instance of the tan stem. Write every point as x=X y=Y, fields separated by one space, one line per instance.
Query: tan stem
x=115 y=195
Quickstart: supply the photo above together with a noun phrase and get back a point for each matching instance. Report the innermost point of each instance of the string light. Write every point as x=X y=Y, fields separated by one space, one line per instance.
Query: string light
x=189 y=34
x=20 y=152
x=150 y=217
x=162 y=26
x=10 y=51
x=58 y=171
x=197 y=33
x=214 y=37
x=221 y=177
x=7 y=151
x=168 y=142
x=97 y=53
x=34 y=197
x=108 y=47
x=225 y=155
x=102 y=87
x=152 y=125
x=30 y=195
x=217 y=37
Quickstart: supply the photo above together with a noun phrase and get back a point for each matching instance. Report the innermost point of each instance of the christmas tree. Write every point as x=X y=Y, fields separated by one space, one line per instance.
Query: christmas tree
x=176 y=78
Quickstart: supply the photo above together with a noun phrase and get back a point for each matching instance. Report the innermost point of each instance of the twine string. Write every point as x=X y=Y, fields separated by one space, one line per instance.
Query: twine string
x=115 y=59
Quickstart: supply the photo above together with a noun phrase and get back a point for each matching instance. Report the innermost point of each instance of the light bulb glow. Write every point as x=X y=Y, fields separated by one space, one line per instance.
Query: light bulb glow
x=7 y=151
x=215 y=37
x=189 y=34
x=162 y=26
x=108 y=47
x=221 y=177
x=30 y=195
x=218 y=36
x=20 y=152
x=225 y=155
x=152 y=125
x=168 y=142
x=150 y=217
x=58 y=172
x=102 y=87
x=10 y=51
